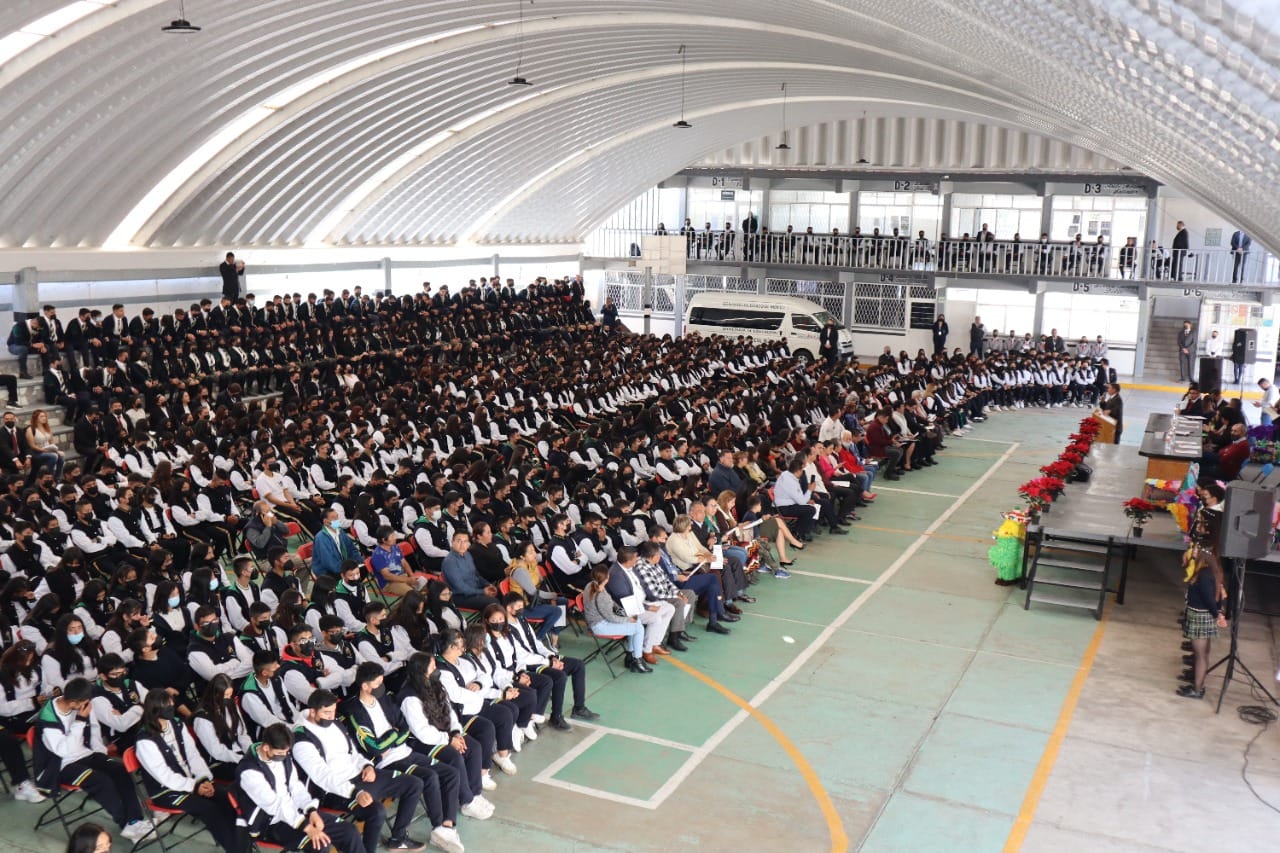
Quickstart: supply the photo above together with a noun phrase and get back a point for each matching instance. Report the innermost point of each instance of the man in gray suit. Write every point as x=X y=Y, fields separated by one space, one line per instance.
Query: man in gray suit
x=1186 y=352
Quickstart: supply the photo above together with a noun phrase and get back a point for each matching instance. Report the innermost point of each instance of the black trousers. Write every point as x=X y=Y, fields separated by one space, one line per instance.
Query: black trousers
x=342 y=833
x=439 y=786
x=574 y=672
x=216 y=813
x=11 y=749
x=469 y=767
x=799 y=517
x=502 y=716
x=404 y=788
x=106 y=783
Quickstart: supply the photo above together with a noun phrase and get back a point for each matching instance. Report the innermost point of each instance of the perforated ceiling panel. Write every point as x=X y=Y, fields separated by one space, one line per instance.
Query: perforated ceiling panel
x=389 y=122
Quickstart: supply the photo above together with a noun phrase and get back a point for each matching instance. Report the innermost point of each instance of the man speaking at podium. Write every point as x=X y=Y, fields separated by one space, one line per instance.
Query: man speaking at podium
x=1112 y=406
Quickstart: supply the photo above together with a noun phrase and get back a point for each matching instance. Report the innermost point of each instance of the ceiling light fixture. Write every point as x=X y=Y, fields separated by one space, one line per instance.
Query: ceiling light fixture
x=783 y=146
x=180 y=25
x=682 y=124
x=518 y=80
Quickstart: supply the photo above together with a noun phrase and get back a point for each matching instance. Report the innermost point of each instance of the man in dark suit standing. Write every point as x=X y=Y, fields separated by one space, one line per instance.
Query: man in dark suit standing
x=940 y=332
x=829 y=342
x=1186 y=351
x=231 y=270
x=977 y=337
x=1112 y=406
x=1240 y=245
x=1181 y=244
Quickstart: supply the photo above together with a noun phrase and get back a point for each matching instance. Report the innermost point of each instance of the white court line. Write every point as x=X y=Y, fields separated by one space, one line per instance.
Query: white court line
x=913 y=492
x=546 y=776
x=781 y=619
x=687 y=769
x=671 y=744
x=824 y=577
x=985 y=440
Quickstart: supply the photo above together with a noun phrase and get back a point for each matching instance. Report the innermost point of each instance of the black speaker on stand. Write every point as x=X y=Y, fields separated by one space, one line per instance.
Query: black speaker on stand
x=1209 y=377
x=1244 y=350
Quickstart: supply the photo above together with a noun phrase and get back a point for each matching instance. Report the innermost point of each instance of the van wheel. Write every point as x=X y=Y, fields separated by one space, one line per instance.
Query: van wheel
x=803 y=355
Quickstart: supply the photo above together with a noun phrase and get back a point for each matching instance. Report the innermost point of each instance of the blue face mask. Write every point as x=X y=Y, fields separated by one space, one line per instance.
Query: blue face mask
x=74 y=639
x=213 y=583
x=335 y=524
x=174 y=601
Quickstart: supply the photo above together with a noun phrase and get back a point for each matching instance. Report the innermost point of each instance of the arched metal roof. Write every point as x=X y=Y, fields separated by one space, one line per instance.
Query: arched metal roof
x=388 y=122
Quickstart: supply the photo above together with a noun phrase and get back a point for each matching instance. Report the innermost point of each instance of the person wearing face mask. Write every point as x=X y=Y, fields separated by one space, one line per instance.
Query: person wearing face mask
x=117 y=702
x=242 y=594
x=171 y=620
x=175 y=774
x=211 y=652
x=128 y=617
x=345 y=781
x=159 y=667
x=380 y=734
x=280 y=579
x=220 y=729
x=259 y=634
x=429 y=536
x=335 y=650
x=263 y=698
x=68 y=749
x=332 y=547
x=276 y=805
x=68 y=656
x=375 y=643
x=21 y=694
x=349 y=597
x=304 y=669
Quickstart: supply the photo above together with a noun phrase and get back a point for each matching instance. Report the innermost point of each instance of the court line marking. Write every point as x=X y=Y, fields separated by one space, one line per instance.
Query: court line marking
x=926 y=533
x=641 y=736
x=801 y=660
x=824 y=577
x=914 y=492
x=835 y=826
x=984 y=440
x=547 y=776
x=1035 y=789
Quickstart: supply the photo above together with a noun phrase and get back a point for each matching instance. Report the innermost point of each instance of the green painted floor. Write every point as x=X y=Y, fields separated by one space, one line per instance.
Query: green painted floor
x=921 y=694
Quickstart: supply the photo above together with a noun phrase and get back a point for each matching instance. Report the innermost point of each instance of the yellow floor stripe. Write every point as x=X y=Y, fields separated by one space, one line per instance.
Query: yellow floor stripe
x=1227 y=390
x=1030 y=802
x=839 y=838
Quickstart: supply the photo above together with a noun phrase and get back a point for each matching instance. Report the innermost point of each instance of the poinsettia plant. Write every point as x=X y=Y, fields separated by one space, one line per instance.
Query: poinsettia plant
x=1060 y=469
x=1139 y=510
x=1071 y=457
x=1089 y=427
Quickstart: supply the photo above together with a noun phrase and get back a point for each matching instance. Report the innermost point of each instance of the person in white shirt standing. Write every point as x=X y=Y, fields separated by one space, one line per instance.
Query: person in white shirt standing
x=1213 y=346
x=1267 y=405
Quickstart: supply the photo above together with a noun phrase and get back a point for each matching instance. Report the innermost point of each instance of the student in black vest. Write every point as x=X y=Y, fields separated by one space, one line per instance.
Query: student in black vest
x=158 y=667
x=538 y=659
x=380 y=733
x=344 y=780
x=276 y=805
x=220 y=729
x=375 y=643
x=22 y=696
x=68 y=750
x=259 y=634
x=117 y=702
x=212 y=651
x=263 y=698
x=175 y=774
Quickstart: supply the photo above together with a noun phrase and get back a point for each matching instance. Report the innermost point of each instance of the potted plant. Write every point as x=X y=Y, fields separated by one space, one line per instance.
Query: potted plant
x=1139 y=512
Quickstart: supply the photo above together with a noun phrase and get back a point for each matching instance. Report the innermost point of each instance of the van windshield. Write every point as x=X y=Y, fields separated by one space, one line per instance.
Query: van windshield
x=823 y=316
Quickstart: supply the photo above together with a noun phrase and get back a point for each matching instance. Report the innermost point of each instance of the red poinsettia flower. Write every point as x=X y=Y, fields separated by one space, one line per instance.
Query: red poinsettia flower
x=1059 y=469
x=1071 y=457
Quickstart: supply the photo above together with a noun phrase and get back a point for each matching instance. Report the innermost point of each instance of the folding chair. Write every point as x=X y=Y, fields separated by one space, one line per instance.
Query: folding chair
x=612 y=643
x=504 y=587
x=54 y=810
x=160 y=831
x=371 y=583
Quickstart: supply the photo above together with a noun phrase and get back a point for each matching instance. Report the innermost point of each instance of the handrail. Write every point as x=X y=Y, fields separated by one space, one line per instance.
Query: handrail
x=959 y=256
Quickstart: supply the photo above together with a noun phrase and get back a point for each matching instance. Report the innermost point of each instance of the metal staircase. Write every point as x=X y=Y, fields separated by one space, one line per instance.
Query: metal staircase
x=1071 y=569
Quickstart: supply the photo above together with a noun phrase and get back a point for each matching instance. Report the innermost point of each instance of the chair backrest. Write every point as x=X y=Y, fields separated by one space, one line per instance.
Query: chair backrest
x=31 y=737
x=304 y=552
x=504 y=586
x=295 y=529
x=407 y=547
x=130 y=759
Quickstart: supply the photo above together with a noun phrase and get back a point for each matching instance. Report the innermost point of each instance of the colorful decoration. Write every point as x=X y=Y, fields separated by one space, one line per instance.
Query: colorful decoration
x=1006 y=554
x=1264 y=451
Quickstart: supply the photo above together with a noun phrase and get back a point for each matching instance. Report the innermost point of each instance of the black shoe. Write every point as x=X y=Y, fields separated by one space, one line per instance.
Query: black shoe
x=1188 y=691
x=892 y=477
x=1186 y=647
x=748 y=599
x=637 y=665
x=1188 y=659
x=730 y=617
x=1188 y=676
x=674 y=643
x=582 y=712
x=686 y=637
x=405 y=843
x=730 y=607
x=561 y=724
x=841 y=529
x=786 y=563
x=717 y=628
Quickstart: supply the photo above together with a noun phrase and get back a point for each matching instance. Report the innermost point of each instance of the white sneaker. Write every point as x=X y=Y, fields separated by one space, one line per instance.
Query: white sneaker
x=538 y=719
x=446 y=838
x=517 y=738
x=530 y=731
x=137 y=829
x=487 y=783
x=27 y=793
x=485 y=803
x=505 y=764
x=474 y=809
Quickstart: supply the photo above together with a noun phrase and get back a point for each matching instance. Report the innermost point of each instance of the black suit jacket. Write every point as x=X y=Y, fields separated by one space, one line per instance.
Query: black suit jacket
x=11 y=457
x=1181 y=240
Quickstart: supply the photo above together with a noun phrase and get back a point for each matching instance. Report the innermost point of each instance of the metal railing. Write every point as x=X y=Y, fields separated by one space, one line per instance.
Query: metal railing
x=959 y=256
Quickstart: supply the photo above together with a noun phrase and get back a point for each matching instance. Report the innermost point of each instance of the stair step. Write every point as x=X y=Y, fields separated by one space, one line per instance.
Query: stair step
x=1082 y=548
x=1066 y=599
x=1074 y=565
x=1066 y=582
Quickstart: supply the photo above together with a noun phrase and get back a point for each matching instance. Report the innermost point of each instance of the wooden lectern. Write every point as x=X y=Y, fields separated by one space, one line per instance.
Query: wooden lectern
x=1106 y=427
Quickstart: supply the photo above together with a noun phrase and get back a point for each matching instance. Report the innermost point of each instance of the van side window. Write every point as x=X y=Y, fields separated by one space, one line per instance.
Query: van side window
x=738 y=318
x=804 y=323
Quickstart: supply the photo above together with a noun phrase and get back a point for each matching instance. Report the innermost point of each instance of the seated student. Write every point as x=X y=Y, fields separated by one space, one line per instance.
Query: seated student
x=282 y=577
x=276 y=805
x=467 y=699
x=380 y=733
x=170 y=619
x=537 y=659
x=349 y=597
x=376 y=644
x=68 y=655
x=598 y=606
x=263 y=698
x=389 y=569
x=176 y=777
x=211 y=651
x=344 y=780
x=128 y=617
x=303 y=668
x=220 y=729
x=117 y=702
x=436 y=731
x=242 y=593
x=69 y=750
x=441 y=612
x=525 y=575
x=22 y=696
x=258 y=634
x=157 y=667
x=336 y=652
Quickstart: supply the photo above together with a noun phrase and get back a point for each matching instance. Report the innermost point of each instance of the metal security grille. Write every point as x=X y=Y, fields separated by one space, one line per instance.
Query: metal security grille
x=880 y=306
x=828 y=294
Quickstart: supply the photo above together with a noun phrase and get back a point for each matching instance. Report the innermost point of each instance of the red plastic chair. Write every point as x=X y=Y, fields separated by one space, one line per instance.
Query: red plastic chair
x=56 y=797
x=160 y=831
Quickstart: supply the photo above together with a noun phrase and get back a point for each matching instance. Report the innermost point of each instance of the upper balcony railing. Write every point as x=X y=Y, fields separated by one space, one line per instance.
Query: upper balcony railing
x=961 y=256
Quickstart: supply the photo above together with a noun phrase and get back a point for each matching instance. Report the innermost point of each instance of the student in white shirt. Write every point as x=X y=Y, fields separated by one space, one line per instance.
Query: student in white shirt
x=20 y=695
x=176 y=777
x=220 y=728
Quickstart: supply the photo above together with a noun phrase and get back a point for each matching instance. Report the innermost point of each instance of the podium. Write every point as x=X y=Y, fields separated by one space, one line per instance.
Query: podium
x=1106 y=428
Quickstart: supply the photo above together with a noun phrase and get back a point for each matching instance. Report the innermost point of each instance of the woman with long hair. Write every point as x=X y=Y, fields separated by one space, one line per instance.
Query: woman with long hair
x=1206 y=587
x=21 y=695
x=220 y=728
x=40 y=623
x=434 y=724
x=69 y=655
x=441 y=610
x=176 y=776
x=526 y=578
x=468 y=699
x=171 y=620
x=44 y=450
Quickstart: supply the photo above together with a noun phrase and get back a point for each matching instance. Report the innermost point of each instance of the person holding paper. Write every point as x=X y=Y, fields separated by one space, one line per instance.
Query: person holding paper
x=626 y=590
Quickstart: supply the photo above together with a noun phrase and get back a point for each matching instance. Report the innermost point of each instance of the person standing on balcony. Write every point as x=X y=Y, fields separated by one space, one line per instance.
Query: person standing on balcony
x=750 y=227
x=687 y=231
x=1186 y=349
x=1181 y=244
x=1240 y=245
x=1127 y=253
x=940 y=332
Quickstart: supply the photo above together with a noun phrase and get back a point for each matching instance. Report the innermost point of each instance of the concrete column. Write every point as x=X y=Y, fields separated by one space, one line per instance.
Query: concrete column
x=497 y=260
x=1144 y=322
x=26 y=294
x=1037 y=327
x=761 y=277
x=678 y=305
x=386 y=274
x=1046 y=215
x=944 y=219
x=853 y=206
x=1153 y=224
x=848 y=301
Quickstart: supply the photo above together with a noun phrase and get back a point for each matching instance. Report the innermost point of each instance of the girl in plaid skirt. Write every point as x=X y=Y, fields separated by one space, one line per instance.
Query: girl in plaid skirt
x=1205 y=589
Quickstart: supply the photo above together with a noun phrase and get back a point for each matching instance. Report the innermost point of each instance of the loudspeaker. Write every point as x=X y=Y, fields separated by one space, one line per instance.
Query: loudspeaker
x=1210 y=376
x=1244 y=346
x=1246 y=521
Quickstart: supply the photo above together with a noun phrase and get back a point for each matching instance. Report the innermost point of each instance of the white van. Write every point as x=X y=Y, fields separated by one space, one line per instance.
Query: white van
x=764 y=317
